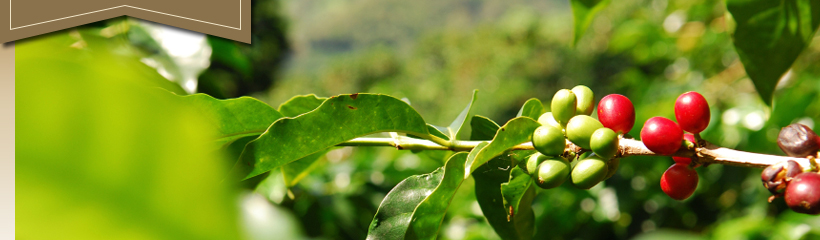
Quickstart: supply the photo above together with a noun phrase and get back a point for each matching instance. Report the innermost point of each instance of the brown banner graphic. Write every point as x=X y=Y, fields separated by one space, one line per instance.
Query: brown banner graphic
x=229 y=19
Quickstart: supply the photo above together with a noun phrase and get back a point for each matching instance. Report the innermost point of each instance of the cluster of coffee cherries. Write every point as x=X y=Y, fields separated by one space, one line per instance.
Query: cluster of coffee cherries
x=569 y=120
x=800 y=189
x=664 y=136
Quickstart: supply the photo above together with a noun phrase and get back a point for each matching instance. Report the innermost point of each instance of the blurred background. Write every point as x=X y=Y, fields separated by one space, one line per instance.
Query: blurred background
x=434 y=53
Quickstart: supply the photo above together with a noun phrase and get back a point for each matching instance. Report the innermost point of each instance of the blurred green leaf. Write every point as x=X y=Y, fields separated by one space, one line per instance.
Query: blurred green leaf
x=515 y=190
x=415 y=208
x=338 y=119
x=669 y=234
x=457 y=124
x=533 y=108
x=233 y=118
x=583 y=11
x=300 y=104
x=516 y=131
x=101 y=153
x=770 y=35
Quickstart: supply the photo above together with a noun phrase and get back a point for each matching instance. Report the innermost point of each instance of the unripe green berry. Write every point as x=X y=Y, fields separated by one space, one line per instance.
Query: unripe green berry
x=612 y=167
x=588 y=172
x=580 y=129
x=552 y=172
x=604 y=143
x=563 y=106
x=533 y=161
x=548 y=119
x=548 y=140
x=585 y=100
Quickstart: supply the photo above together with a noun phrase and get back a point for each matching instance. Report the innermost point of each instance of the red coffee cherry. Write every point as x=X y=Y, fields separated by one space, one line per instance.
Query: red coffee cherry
x=685 y=160
x=776 y=176
x=803 y=193
x=617 y=113
x=661 y=135
x=679 y=181
x=798 y=140
x=692 y=112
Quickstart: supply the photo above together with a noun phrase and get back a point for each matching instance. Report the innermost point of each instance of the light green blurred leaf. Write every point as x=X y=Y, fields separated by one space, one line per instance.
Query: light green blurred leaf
x=770 y=35
x=583 y=11
x=415 y=208
x=338 y=119
x=101 y=153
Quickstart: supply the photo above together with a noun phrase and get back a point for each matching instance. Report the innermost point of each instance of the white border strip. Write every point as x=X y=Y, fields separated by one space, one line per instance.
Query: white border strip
x=147 y=10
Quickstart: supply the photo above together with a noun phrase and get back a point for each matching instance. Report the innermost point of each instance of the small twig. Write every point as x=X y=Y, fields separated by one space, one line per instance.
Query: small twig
x=707 y=153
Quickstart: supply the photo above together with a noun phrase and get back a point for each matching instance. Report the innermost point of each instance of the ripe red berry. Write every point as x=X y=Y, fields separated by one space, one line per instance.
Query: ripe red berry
x=661 y=135
x=685 y=160
x=803 y=193
x=679 y=181
x=617 y=113
x=692 y=112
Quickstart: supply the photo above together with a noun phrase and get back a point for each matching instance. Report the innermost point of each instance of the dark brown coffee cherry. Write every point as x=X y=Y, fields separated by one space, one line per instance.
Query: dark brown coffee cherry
x=798 y=140
x=803 y=193
x=777 y=175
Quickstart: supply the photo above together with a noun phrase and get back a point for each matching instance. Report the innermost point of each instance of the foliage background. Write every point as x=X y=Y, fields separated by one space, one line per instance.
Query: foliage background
x=434 y=54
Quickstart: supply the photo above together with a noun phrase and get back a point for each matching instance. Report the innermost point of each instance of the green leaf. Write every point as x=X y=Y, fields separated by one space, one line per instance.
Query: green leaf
x=438 y=131
x=294 y=172
x=482 y=128
x=583 y=11
x=300 y=104
x=516 y=131
x=488 y=180
x=457 y=124
x=515 y=190
x=337 y=120
x=415 y=208
x=770 y=35
x=533 y=108
x=233 y=118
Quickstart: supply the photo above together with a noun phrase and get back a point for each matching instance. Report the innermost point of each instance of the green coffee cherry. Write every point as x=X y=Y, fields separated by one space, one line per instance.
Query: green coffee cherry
x=580 y=129
x=612 y=167
x=552 y=172
x=547 y=119
x=533 y=161
x=588 y=172
x=604 y=143
x=563 y=106
x=548 y=140
x=585 y=100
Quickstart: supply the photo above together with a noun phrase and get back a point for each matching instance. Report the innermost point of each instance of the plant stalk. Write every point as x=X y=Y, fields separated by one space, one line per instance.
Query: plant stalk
x=708 y=153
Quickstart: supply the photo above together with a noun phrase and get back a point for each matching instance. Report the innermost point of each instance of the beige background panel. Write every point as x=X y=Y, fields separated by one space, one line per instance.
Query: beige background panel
x=7 y=141
x=228 y=19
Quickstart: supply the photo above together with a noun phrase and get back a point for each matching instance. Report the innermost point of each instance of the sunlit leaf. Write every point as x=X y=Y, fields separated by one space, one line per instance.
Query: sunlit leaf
x=415 y=208
x=533 y=108
x=769 y=35
x=583 y=12
x=294 y=172
x=457 y=124
x=516 y=131
x=338 y=119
